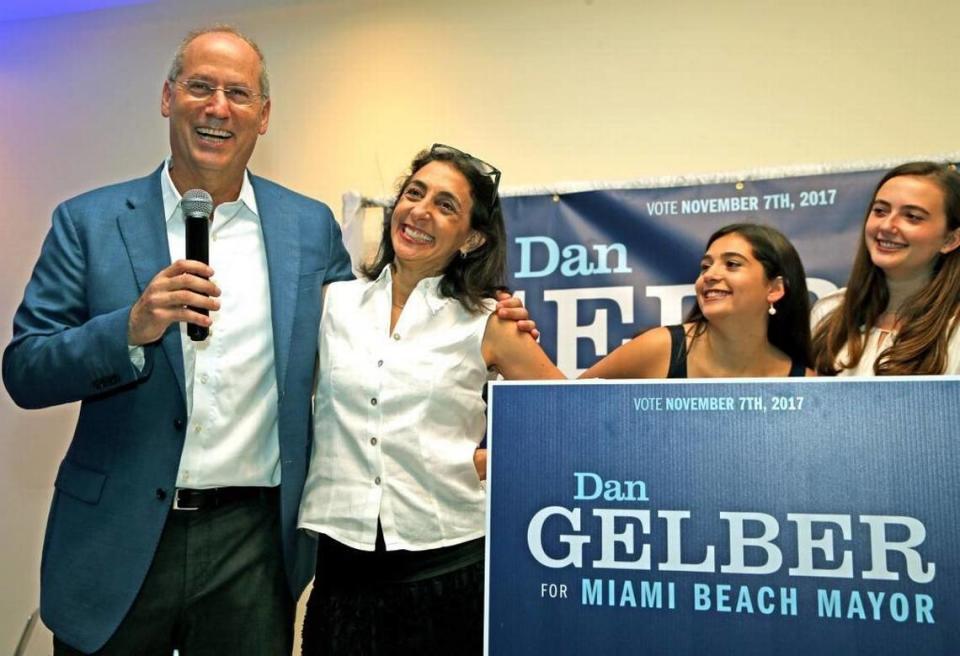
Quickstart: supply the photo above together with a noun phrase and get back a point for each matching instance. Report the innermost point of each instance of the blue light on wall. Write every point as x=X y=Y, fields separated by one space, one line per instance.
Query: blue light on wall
x=12 y=10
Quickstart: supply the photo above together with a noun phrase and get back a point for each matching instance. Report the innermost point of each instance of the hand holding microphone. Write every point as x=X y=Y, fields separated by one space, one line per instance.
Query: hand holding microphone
x=182 y=291
x=197 y=207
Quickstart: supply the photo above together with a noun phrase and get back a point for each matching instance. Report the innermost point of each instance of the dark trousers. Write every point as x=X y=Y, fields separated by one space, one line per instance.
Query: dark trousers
x=216 y=586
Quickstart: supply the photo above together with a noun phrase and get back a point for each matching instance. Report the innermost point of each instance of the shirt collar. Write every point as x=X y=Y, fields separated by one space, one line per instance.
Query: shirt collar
x=428 y=288
x=172 y=197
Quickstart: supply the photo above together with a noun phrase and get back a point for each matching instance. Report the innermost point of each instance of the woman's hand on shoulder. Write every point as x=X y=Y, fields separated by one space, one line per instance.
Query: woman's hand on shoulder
x=645 y=356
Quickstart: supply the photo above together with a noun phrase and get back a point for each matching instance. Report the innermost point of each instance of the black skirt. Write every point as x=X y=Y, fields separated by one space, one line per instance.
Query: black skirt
x=376 y=603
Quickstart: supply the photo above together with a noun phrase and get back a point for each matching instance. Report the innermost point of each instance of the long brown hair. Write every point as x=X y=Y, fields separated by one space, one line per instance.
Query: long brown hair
x=925 y=317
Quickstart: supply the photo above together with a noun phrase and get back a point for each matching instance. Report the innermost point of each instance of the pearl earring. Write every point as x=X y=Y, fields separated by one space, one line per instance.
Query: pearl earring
x=772 y=311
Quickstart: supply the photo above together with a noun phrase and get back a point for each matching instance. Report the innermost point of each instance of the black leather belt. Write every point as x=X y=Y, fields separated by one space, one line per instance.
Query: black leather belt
x=206 y=499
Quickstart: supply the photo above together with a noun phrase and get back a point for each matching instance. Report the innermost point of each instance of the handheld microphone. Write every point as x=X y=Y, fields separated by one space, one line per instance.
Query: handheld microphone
x=197 y=207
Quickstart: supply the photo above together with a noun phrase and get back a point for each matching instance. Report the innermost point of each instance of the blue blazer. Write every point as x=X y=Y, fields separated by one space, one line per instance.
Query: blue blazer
x=114 y=487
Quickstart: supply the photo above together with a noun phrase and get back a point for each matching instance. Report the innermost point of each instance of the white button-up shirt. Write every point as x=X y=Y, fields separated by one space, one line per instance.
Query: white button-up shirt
x=231 y=384
x=397 y=417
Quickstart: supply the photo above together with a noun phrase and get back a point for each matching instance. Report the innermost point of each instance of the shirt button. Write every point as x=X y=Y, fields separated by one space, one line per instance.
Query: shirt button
x=379 y=363
x=373 y=401
x=373 y=441
x=396 y=337
x=377 y=480
x=197 y=428
x=204 y=378
x=161 y=494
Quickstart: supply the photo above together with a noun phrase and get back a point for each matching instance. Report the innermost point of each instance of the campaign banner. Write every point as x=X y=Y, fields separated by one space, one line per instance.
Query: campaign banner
x=778 y=516
x=595 y=267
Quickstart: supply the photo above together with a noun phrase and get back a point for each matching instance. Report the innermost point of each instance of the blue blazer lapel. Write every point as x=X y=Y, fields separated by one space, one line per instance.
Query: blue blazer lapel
x=144 y=231
x=281 y=238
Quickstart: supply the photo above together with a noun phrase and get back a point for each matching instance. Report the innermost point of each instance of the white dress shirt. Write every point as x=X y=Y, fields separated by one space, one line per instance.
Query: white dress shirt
x=231 y=384
x=877 y=341
x=397 y=418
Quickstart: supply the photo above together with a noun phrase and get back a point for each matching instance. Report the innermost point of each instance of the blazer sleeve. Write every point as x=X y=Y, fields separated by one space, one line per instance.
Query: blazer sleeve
x=59 y=352
x=340 y=267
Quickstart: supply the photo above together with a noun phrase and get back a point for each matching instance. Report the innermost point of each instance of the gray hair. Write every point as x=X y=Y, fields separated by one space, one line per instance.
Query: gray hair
x=176 y=66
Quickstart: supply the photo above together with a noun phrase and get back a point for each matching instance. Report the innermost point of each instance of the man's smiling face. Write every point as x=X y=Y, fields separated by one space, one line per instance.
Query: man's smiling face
x=213 y=138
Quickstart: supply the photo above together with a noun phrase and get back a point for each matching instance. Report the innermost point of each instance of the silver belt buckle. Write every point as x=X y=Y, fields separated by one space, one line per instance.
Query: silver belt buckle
x=176 y=502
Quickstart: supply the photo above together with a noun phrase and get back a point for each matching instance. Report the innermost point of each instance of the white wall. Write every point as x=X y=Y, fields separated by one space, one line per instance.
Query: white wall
x=548 y=91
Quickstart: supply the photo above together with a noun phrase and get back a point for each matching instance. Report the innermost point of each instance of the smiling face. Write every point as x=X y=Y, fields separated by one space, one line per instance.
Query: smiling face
x=906 y=230
x=431 y=219
x=211 y=140
x=733 y=282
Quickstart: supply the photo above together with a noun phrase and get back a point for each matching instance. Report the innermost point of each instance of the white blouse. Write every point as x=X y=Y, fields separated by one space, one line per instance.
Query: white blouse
x=877 y=341
x=397 y=418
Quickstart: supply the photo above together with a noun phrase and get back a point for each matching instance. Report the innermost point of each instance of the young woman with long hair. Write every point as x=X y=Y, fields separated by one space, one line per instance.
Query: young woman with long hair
x=897 y=313
x=751 y=318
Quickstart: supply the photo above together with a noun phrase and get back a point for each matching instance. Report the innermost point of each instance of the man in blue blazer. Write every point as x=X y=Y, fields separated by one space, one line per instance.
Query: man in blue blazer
x=173 y=522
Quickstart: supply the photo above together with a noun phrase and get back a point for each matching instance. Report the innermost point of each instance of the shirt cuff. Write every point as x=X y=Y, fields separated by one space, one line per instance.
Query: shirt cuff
x=137 y=357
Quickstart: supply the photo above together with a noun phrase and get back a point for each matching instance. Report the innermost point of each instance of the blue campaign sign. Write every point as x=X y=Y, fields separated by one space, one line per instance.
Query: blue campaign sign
x=778 y=516
x=596 y=266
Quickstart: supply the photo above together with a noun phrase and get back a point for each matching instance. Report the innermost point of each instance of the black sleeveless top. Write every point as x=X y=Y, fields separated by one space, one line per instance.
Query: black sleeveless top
x=678 y=356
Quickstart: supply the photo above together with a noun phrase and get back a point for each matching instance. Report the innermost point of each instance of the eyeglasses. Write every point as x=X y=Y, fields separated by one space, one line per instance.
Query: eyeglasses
x=235 y=95
x=485 y=169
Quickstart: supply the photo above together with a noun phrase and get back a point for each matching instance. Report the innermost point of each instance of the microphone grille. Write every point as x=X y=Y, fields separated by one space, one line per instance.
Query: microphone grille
x=197 y=203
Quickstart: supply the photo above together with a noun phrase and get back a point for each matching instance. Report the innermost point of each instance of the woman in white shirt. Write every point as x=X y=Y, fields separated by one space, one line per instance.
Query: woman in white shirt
x=897 y=314
x=392 y=491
